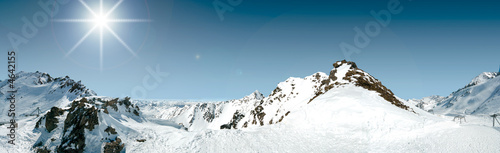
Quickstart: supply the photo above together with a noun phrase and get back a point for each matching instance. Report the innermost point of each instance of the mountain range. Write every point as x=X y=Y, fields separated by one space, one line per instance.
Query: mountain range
x=347 y=110
x=480 y=97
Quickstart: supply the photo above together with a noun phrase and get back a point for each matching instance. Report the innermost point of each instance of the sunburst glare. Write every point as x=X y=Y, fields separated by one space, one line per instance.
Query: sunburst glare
x=101 y=19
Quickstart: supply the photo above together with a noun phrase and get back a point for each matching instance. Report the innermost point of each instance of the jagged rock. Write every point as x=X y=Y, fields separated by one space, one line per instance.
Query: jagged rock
x=110 y=130
x=51 y=120
x=114 y=146
x=78 y=119
x=237 y=116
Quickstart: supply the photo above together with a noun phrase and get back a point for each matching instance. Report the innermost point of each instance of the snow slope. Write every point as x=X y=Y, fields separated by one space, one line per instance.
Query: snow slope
x=40 y=90
x=480 y=97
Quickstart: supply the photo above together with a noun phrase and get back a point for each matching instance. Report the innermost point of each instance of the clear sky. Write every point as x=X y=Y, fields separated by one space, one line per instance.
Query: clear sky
x=429 y=47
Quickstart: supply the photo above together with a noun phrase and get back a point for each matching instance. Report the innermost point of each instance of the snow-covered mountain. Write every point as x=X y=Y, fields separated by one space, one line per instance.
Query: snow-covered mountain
x=72 y=117
x=427 y=103
x=93 y=124
x=40 y=90
x=290 y=96
x=480 y=97
x=347 y=110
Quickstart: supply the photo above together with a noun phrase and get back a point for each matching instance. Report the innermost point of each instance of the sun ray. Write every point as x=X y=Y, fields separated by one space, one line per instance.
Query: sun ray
x=128 y=20
x=88 y=8
x=101 y=19
x=81 y=40
x=100 y=7
x=113 y=8
x=72 y=20
x=101 y=58
x=120 y=40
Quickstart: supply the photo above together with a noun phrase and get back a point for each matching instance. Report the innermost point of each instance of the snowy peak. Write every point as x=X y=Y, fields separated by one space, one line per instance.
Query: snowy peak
x=37 y=78
x=480 y=96
x=38 y=90
x=40 y=79
x=340 y=70
x=483 y=77
x=347 y=72
x=256 y=95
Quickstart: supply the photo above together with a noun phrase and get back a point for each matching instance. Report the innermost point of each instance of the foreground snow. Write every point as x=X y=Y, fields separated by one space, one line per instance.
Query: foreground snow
x=337 y=131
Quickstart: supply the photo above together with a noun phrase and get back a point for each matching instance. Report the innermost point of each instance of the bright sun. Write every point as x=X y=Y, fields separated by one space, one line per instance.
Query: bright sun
x=101 y=20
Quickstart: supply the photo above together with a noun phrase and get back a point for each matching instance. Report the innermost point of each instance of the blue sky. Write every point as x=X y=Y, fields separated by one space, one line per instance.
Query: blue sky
x=431 y=47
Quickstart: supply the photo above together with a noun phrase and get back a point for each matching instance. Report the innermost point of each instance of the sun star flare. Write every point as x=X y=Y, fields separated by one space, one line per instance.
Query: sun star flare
x=101 y=20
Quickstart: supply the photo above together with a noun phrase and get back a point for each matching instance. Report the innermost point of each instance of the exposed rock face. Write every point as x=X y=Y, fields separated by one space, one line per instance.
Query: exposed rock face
x=365 y=80
x=43 y=78
x=110 y=130
x=114 y=146
x=114 y=103
x=75 y=87
x=50 y=119
x=234 y=122
x=79 y=118
x=82 y=125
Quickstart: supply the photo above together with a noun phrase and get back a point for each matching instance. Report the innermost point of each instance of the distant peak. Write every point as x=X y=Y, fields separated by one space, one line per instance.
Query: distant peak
x=255 y=95
x=37 y=73
x=43 y=78
x=256 y=92
x=483 y=77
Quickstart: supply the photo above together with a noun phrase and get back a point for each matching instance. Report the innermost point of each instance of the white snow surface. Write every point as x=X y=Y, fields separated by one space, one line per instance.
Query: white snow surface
x=341 y=71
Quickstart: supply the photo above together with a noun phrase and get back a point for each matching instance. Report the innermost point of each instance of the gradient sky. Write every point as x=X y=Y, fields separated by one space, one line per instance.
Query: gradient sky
x=432 y=47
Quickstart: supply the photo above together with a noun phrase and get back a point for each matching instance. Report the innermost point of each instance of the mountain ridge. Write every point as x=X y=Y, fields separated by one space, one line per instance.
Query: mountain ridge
x=286 y=98
x=40 y=90
x=480 y=96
